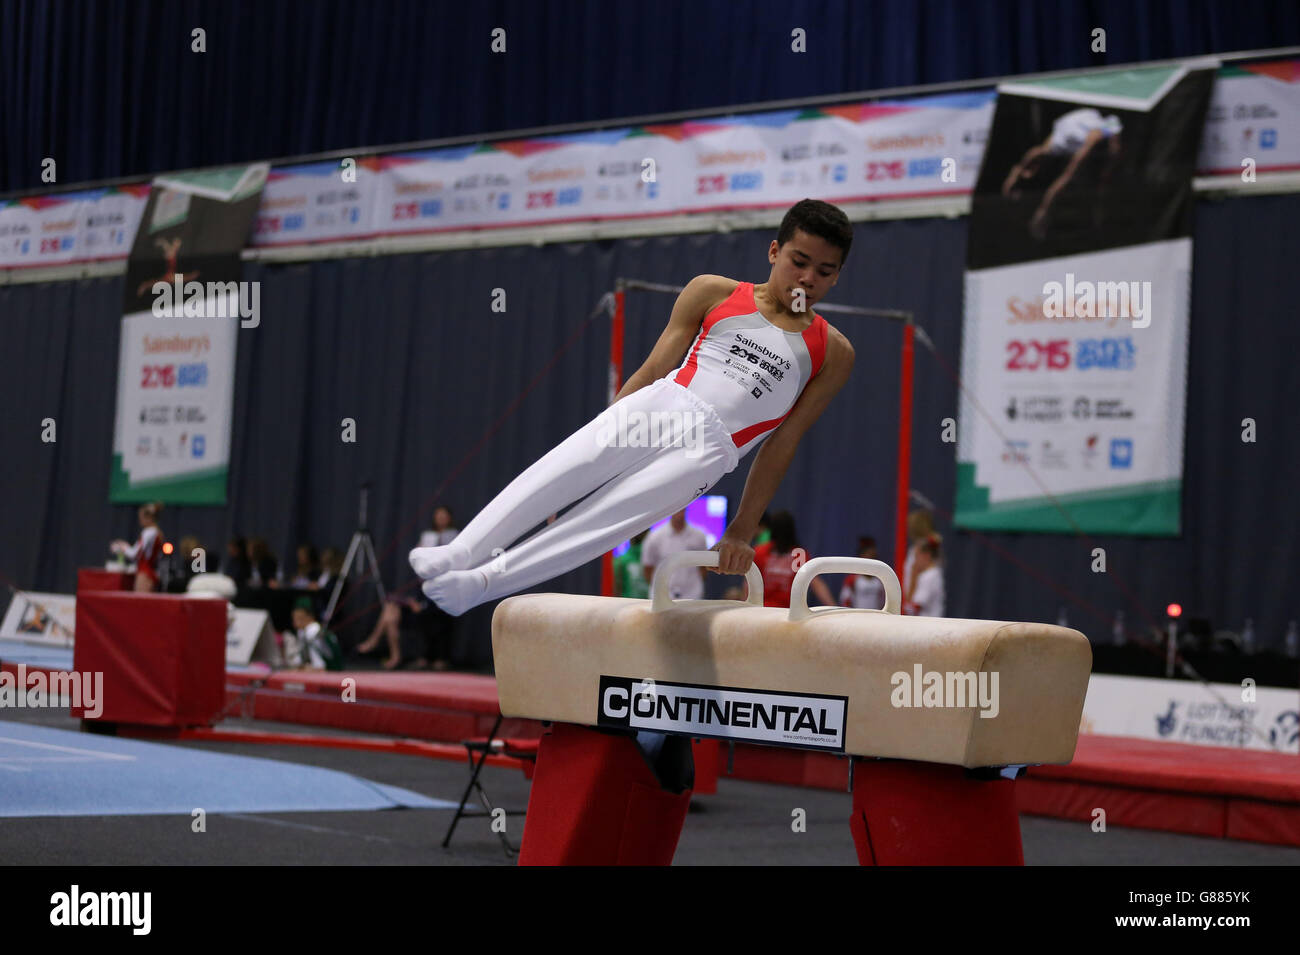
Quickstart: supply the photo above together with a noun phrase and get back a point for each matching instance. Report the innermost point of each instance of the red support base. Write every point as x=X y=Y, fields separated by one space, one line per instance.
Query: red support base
x=595 y=801
x=907 y=813
x=706 y=753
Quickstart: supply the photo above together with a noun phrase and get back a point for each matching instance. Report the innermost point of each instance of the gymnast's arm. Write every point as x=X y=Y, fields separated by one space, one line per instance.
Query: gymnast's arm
x=776 y=453
x=700 y=296
x=1094 y=137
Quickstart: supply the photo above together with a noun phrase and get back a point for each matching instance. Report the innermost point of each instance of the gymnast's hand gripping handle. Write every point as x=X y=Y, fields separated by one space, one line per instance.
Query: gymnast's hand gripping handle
x=661 y=598
x=799 y=609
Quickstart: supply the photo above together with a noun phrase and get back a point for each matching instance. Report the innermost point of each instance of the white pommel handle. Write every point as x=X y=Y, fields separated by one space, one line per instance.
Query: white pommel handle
x=661 y=597
x=799 y=609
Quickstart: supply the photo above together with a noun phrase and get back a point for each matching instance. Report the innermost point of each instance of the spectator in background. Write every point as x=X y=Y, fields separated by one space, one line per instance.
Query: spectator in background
x=673 y=538
x=263 y=568
x=763 y=533
x=331 y=568
x=920 y=525
x=310 y=646
x=861 y=590
x=444 y=530
x=778 y=562
x=308 y=568
x=147 y=548
x=184 y=564
x=236 y=565
x=435 y=626
x=925 y=594
x=438 y=626
x=629 y=578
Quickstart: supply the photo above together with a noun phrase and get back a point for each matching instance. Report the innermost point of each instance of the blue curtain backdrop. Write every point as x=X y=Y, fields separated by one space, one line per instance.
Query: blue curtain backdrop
x=447 y=393
x=113 y=89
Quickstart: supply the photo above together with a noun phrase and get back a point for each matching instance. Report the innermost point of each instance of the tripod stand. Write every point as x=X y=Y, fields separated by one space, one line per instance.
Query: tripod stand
x=361 y=549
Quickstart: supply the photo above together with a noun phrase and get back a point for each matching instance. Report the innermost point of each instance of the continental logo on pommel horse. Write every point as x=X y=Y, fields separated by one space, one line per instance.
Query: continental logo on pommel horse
x=799 y=720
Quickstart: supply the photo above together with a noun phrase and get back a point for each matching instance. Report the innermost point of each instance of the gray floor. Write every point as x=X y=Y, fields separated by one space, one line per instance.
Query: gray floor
x=744 y=824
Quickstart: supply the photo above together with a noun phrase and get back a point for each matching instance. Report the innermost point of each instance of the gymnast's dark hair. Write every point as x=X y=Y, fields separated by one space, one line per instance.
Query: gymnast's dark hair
x=784 y=537
x=820 y=219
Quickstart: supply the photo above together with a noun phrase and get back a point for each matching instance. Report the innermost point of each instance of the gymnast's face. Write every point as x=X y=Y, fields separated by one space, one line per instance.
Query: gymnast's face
x=805 y=261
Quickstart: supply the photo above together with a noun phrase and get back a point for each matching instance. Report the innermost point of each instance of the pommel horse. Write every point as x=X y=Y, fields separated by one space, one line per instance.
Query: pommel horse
x=939 y=715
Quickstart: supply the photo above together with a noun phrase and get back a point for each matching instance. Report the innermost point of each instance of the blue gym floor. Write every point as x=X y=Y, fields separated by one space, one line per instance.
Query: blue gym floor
x=55 y=772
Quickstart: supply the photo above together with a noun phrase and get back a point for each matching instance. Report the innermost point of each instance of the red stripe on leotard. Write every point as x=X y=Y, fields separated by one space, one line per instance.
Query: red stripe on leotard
x=814 y=336
x=739 y=302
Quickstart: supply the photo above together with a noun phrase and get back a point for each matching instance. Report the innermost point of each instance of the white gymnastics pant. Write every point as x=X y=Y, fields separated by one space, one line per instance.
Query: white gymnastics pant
x=628 y=489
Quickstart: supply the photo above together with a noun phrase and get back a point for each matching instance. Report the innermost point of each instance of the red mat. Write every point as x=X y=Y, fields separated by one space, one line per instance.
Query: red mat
x=463 y=692
x=447 y=707
x=1174 y=787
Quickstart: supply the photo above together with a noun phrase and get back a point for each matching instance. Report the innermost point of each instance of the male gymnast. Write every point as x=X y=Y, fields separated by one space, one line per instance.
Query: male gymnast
x=759 y=368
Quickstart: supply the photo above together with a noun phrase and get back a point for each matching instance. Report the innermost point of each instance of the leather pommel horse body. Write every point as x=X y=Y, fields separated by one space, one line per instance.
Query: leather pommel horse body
x=941 y=713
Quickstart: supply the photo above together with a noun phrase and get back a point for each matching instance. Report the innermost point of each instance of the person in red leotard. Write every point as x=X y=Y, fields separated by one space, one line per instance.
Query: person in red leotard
x=780 y=559
x=146 y=549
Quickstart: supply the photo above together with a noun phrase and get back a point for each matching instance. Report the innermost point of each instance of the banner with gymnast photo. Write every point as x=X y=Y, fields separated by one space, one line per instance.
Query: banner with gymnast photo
x=184 y=305
x=1075 y=333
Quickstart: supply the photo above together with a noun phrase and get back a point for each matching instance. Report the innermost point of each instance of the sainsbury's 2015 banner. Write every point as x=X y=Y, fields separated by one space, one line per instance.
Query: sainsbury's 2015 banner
x=184 y=307
x=1075 y=333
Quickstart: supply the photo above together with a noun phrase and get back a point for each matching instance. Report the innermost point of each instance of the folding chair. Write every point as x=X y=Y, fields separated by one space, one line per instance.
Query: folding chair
x=525 y=750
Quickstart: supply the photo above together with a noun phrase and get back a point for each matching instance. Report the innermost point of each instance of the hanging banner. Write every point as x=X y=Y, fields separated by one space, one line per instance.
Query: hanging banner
x=184 y=306
x=1254 y=116
x=879 y=150
x=71 y=227
x=317 y=202
x=1074 y=350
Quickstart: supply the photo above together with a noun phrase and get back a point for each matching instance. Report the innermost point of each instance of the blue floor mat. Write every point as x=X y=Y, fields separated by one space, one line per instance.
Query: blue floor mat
x=60 y=658
x=50 y=772
x=36 y=655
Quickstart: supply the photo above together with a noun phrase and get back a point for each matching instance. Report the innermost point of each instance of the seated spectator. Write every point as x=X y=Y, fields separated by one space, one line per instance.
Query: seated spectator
x=860 y=590
x=331 y=568
x=415 y=613
x=308 y=568
x=309 y=646
x=925 y=594
x=236 y=565
x=776 y=561
x=263 y=567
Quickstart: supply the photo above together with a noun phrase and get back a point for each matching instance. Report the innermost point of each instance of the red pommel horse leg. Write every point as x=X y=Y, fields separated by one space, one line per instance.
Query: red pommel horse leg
x=910 y=813
x=596 y=801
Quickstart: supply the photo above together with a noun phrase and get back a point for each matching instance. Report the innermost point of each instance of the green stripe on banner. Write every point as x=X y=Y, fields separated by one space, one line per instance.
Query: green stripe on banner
x=196 y=487
x=1150 y=509
x=1139 y=85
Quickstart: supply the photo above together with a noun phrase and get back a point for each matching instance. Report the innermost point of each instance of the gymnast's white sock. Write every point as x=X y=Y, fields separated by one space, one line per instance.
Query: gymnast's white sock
x=432 y=562
x=457 y=590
